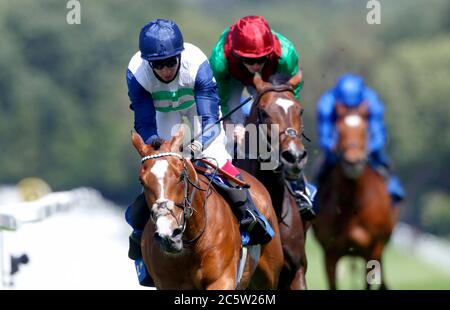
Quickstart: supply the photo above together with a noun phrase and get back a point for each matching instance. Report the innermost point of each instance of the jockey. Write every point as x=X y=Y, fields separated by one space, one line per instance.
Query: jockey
x=168 y=80
x=247 y=47
x=351 y=91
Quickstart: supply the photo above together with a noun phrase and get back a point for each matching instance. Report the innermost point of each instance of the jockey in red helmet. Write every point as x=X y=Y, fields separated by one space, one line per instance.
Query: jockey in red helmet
x=250 y=46
x=247 y=47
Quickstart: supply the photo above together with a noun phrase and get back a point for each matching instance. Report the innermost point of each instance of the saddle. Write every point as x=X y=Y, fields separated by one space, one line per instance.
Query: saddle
x=255 y=229
x=209 y=172
x=228 y=186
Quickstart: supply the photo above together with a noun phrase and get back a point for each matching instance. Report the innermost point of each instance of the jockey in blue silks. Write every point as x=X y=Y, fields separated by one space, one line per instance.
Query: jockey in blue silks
x=351 y=91
x=169 y=81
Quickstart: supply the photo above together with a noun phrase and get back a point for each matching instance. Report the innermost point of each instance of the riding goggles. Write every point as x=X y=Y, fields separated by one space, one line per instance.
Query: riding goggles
x=168 y=62
x=252 y=61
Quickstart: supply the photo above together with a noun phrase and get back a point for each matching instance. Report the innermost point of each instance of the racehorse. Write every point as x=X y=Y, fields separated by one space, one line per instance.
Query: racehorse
x=192 y=239
x=275 y=105
x=356 y=216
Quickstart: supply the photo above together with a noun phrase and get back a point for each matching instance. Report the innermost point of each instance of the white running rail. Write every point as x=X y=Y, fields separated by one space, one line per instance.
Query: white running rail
x=15 y=214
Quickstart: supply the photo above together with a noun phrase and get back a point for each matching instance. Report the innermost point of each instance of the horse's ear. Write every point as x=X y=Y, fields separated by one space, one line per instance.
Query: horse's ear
x=142 y=148
x=258 y=81
x=341 y=110
x=177 y=140
x=296 y=79
x=363 y=110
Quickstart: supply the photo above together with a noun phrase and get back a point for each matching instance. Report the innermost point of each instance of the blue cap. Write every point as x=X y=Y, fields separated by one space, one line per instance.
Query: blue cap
x=350 y=89
x=160 y=39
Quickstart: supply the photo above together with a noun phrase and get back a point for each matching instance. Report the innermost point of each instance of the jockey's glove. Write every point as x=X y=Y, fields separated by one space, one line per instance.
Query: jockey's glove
x=195 y=149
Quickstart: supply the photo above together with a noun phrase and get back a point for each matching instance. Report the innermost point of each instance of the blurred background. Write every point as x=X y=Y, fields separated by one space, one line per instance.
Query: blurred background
x=65 y=119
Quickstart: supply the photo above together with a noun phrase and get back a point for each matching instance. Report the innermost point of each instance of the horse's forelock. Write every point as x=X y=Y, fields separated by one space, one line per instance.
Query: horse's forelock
x=279 y=79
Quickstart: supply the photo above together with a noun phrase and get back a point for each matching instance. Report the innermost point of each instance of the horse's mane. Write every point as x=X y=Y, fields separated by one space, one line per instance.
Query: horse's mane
x=279 y=79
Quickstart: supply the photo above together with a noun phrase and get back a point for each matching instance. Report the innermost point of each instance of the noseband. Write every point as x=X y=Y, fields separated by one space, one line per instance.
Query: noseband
x=186 y=205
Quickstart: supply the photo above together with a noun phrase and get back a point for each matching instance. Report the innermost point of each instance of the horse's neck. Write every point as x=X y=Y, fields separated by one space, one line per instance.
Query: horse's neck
x=197 y=221
x=275 y=185
x=348 y=188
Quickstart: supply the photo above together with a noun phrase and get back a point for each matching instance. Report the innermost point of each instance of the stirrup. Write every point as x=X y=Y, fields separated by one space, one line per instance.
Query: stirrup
x=303 y=196
x=253 y=220
x=305 y=206
x=257 y=228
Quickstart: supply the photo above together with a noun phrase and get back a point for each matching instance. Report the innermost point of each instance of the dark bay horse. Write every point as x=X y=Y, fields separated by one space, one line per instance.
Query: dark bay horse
x=192 y=239
x=356 y=217
x=276 y=106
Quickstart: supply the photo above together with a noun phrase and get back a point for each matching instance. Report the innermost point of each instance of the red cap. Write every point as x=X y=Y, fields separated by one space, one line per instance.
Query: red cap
x=251 y=37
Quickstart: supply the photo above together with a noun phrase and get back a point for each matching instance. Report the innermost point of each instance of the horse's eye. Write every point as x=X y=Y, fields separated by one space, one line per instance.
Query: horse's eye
x=301 y=112
x=140 y=181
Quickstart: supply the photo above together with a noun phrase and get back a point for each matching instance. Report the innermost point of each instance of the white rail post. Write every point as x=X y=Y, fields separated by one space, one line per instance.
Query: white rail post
x=7 y=222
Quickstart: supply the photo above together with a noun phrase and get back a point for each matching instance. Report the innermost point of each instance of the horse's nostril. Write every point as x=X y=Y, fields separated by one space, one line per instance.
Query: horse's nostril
x=176 y=232
x=303 y=155
x=288 y=157
x=157 y=237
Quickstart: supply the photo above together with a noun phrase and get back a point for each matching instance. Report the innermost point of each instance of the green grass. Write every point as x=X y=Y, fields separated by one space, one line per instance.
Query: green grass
x=402 y=271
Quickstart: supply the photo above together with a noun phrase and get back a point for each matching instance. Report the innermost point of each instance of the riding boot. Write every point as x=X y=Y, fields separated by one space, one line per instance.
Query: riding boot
x=251 y=221
x=304 y=197
x=395 y=190
x=137 y=215
x=381 y=164
x=384 y=171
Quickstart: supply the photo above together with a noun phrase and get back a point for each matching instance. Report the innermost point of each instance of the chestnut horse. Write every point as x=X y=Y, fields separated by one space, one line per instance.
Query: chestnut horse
x=275 y=104
x=356 y=216
x=192 y=239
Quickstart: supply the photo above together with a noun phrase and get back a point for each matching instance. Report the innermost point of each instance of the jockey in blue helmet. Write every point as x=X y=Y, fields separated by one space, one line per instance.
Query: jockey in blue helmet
x=351 y=91
x=169 y=81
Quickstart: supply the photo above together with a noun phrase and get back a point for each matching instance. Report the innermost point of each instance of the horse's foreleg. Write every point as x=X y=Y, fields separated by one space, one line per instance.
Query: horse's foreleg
x=267 y=272
x=330 y=265
x=299 y=282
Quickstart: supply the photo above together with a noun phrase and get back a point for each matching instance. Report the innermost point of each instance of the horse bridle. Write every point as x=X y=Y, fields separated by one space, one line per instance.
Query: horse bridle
x=186 y=205
x=290 y=132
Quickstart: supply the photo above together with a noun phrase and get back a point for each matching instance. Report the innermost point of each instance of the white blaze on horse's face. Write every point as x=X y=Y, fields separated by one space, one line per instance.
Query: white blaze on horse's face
x=159 y=170
x=285 y=104
x=353 y=120
x=164 y=226
x=293 y=147
x=162 y=205
x=162 y=211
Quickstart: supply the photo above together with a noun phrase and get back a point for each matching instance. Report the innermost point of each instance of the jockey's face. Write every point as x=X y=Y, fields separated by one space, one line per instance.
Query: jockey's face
x=254 y=65
x=166 y=69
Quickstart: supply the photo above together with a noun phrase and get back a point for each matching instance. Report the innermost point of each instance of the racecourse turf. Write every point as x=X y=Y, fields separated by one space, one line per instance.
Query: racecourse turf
x=403 y=271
